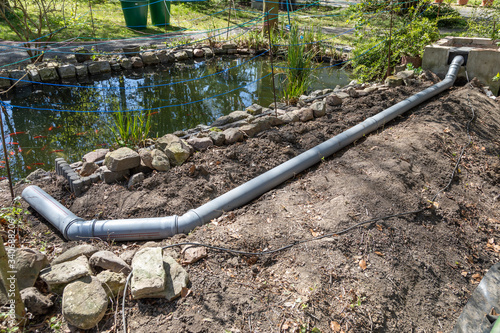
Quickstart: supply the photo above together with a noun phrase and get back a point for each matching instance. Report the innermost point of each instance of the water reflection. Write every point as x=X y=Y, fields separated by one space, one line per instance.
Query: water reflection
x=54 y=121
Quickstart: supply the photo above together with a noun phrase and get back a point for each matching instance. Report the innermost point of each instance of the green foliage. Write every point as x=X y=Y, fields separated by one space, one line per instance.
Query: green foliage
x=410 y=67
x=446 y=16
x=130 y=128
x=484 y=24
x=496 y=77
x=55 y=324
x=14 y=214
x=300 y=65
x=410 y=34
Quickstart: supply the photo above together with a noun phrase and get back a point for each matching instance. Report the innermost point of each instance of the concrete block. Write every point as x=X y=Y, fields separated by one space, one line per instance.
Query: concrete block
x=436 y=59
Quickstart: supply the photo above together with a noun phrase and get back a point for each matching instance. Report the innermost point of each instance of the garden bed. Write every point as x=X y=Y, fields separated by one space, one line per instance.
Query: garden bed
x=408 y=273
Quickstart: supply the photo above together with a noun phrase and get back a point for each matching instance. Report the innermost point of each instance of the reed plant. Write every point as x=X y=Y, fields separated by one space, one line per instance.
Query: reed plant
x=299 y=66
x=130 y=128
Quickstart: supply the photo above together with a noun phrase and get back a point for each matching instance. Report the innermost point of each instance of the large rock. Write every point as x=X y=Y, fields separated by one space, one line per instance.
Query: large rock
x=251 y=129
x=148 y=277
x=35 y=301
x=128 y=255
x=112 y=282
x=37 y=174
x=135 y=180
x=28 y=264
x=149 y=58
x=4 y=80
x=99 y=67
x=198 y=53
x=177 y=150
x=233 y=135
x=110 y=177
x=200 y=144
x=67 y=71
x=88 y=169
x=125 y=63
x=305 y=114
x=84 y=302
x=393 y=81
x=122 y=159
x=82 y=70
x=165 y=57
x=231 y=118
x=33 y=74
x=254 y=109
x=58 y=276
x=146 y=158
x=176 y=278
x=289 y=117
x=96 y=155
x=159 y=160
x=208 y=52
x=333 y=100
x=218 y=138
x=75 y=252
x=137 y=62
x=20 y=75
x=48 y=74
x=110 y=261
x=319 y=109
x=268 y=121
x=181 y=55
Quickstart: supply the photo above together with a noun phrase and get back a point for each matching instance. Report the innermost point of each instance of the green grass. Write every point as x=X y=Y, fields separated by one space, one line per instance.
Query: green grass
x=109 y=23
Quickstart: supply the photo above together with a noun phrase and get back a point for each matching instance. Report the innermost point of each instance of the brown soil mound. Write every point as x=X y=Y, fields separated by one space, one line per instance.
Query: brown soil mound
x=405 y=274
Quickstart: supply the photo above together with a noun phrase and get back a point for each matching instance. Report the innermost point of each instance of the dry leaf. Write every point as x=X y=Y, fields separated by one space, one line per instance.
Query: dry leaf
x=192 y=170
x=185 y=292
x=447 y=130
x=476 y=277
x=379 y=227
x=314 y=233
x=379 y=253
x=464 y=274
x=362 y=264
x=335 y=326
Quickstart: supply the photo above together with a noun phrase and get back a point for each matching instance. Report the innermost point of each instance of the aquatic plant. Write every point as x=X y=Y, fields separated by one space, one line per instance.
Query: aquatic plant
x=299 y=63
x=130 y=128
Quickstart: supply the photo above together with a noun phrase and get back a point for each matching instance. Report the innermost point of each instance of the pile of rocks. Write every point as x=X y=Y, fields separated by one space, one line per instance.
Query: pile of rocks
x=88 y=278
x=84 y=63
x=174 y=149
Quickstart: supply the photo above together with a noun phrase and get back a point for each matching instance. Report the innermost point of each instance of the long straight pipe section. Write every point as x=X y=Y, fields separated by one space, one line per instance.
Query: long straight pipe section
x=75 y=228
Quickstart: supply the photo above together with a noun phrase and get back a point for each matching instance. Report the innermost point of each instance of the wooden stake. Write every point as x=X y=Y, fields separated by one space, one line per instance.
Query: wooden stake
x=389 y=53
x=272 y=68
x=92 y=18
x=228 y=21
x=7 y=166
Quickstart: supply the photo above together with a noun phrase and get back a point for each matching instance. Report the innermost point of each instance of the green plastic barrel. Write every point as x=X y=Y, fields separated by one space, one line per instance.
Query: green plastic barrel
x=135 y=13
x=160 y=12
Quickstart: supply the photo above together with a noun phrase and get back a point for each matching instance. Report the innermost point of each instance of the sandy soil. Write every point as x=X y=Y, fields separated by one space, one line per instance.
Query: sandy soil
x=412 y=273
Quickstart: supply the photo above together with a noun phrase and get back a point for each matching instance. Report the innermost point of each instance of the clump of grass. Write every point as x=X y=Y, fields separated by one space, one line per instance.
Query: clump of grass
x=299 y=66
x=130 y=128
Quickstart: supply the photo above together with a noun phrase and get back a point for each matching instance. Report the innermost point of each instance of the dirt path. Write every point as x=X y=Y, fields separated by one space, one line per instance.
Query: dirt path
x=407 y=274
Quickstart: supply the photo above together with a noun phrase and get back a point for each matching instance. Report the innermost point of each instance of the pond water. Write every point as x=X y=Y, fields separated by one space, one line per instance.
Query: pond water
x=50 y=121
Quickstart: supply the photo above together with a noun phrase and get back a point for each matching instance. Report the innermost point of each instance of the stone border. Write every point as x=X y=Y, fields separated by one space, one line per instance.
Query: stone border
x=174 y=149
x=83 y=66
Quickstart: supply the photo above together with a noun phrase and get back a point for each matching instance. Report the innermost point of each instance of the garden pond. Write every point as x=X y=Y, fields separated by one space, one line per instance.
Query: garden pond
x=69 y=120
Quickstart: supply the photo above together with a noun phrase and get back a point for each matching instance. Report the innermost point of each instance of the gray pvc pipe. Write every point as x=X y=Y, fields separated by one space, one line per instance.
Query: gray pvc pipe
x=75 y=228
